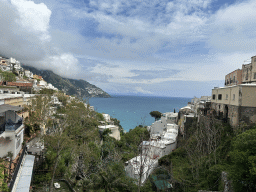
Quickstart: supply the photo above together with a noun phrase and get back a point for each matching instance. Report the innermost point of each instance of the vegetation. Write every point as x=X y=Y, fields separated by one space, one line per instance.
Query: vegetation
x=8 y=76
x=156 y=114
x=91 y=161
x=209 y=149
x=3 y=176
x=74 y=149
x=47 y=91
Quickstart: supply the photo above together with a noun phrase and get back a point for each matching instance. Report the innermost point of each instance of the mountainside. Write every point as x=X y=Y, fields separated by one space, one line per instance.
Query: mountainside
x=75 y=87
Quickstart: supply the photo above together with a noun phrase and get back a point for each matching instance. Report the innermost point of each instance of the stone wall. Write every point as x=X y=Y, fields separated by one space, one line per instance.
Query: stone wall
x=236 y=114
x=248 y=115
x=222 y=109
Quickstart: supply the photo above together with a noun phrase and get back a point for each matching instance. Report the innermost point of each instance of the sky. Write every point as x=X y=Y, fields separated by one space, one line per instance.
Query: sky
x=179 y=48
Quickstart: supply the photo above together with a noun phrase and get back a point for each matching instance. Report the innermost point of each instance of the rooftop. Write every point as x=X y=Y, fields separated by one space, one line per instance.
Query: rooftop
x=5 y=107
x=240 y=85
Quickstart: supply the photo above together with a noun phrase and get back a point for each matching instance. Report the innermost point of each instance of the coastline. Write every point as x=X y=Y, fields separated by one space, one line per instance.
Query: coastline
x=132 y=111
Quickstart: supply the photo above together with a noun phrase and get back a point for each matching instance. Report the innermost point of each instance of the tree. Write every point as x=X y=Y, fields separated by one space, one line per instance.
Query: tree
x=56 y=144
x=111 y=178
x=243 y=161
x=156 y=114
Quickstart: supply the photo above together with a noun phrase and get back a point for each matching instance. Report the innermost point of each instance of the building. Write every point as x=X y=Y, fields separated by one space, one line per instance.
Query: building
x=161 y=144
x=37 y=77
x=42 y=83
x=106 y=117
x=28 y=74
x=140 y=165
x=163 y=140
x=12 y=99
x=235 y=103
x=159 y=126
x=16 y=99
x=249 y=71
x=11 y=130
x=115 y=133
x=234 y=78
x=26 y=86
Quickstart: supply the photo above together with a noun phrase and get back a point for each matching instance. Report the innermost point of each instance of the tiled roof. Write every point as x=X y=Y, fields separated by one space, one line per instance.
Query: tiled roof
x=20 y=84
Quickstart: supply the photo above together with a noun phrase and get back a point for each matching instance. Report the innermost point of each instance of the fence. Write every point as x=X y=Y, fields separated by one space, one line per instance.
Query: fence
x=16 y=171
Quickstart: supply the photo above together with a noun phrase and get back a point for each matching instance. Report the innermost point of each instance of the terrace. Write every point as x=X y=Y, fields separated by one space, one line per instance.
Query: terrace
x=9 y=120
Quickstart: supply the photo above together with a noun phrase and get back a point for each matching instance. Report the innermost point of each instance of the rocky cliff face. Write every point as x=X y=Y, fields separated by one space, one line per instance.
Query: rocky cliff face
x=80 y=88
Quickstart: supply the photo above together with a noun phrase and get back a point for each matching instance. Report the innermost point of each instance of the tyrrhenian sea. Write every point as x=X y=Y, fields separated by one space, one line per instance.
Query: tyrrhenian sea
x=132 y=111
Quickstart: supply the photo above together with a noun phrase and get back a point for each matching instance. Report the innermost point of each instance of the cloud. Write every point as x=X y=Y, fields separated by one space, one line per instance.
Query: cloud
x=153 y=74
x=16 y=40
x=66 y=64
x=233 y=28
x=26 y=36
x=130 y=45
x=33 y=17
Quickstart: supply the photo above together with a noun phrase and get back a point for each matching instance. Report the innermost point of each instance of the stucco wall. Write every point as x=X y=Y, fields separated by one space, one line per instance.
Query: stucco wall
x=14 y=101
x=158 y=126
x=249 y=96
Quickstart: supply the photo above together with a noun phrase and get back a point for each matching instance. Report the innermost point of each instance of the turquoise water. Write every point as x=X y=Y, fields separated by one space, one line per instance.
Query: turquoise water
x=132 y=111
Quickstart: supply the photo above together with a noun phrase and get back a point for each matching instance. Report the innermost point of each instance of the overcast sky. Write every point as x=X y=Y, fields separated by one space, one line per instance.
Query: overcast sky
x=180 y=48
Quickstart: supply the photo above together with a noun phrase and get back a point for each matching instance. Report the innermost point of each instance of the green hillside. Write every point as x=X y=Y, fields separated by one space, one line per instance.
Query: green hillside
x=80 y=88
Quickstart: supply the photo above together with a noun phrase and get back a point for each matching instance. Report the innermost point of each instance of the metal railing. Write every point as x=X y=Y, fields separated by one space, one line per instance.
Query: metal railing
x=16 y=171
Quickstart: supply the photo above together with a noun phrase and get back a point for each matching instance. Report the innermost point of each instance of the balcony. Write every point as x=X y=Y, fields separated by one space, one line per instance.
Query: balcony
x=11 y=126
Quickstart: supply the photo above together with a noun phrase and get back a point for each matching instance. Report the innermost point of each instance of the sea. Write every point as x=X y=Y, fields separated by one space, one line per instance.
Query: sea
x=132 y=111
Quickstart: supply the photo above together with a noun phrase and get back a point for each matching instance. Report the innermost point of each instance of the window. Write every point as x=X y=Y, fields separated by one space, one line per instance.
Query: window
x=234 y=96
x=18 y=142
x=213 y=96
x=219 y=96
x=226 y=96
x=254 y=76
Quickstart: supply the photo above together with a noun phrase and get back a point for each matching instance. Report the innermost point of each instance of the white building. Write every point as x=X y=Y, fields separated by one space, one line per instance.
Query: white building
x=42 y=83
x=55 y=100
x=50 y=86
x=161 y=144
x=163 y=140
x=115 y=133
x=140 y=165
x=159 y=126
x=12 y=130
x=28 y=74
x=91 y=108
x=171 y=117
x=106 y=117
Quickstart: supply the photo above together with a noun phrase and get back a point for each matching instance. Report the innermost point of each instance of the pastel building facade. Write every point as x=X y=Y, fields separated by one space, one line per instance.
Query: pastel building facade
x=232 y=78
x=235 y=103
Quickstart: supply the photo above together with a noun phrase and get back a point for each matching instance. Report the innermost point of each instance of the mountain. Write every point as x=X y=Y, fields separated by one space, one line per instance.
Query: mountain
x=80 y=88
